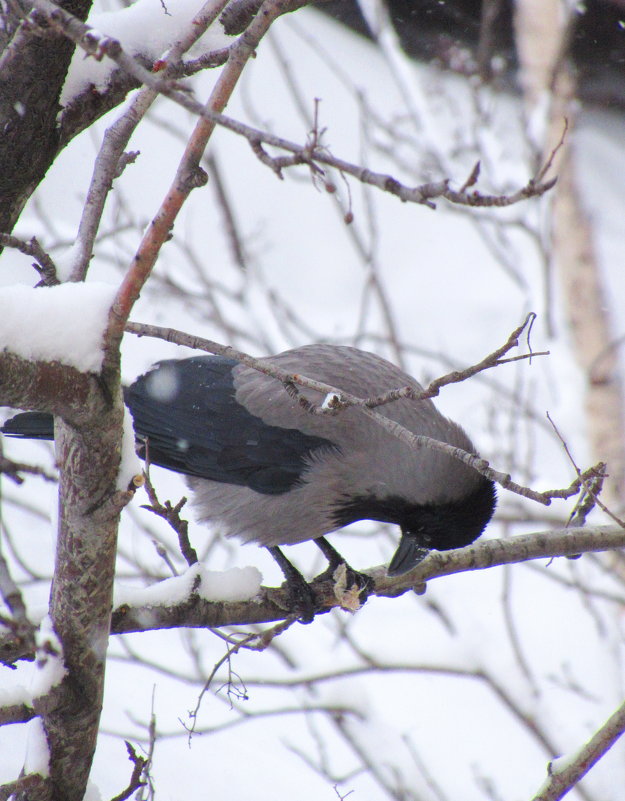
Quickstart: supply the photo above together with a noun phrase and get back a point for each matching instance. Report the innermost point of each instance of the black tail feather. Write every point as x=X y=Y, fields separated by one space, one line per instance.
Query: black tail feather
x=30 y=425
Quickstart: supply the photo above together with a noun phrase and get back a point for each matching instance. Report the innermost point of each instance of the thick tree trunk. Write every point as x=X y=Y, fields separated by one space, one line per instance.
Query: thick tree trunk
x=33 y=66
x=88 y=455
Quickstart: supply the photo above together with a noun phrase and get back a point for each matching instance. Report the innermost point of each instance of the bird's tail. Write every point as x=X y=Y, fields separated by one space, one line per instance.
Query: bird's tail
x=30 y=425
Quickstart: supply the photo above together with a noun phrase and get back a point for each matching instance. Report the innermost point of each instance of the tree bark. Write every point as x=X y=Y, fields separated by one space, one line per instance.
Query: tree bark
x=33 y=66
x=88 y=430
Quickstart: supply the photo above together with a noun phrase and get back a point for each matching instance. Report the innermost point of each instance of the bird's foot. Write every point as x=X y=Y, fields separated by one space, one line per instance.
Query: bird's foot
x=302 y=598
x=351 y=588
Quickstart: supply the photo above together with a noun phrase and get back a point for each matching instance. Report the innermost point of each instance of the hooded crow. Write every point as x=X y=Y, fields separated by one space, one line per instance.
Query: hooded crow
x=267 y=470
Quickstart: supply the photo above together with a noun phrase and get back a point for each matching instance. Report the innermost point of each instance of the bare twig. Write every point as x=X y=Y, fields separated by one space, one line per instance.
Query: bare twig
x=206 y=61
x=116 y=137
x=13 y=469
x=135 y=782
x=172 y=515
x=189 y=174
x=21 y=628
x=540 y=175
x=256 y=641
x=44 y=264
x=591 y=481
x=234 y=238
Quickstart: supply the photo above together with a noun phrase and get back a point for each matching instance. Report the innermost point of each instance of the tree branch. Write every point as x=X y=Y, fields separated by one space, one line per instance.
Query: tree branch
x=117 y=136
x=16 y=713
x=189 y=174
x=47 y=387
x=100 y=46
x=274 y=603
x=33 y=67
x=12 y=469
x=43 y=264
x=33 y=787
x=563 y=777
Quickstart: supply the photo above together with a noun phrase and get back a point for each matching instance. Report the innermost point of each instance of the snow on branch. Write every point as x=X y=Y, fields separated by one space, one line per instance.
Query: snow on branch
x=197 y=599
x=63 y=324
x=147 y=30
x=273 y=604
x=189 y=174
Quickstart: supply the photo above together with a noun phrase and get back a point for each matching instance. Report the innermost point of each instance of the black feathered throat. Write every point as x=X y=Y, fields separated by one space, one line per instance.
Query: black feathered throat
x=445 y=525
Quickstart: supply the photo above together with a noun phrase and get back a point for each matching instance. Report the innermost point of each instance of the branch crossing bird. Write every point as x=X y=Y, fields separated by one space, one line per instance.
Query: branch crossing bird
x=267 y=470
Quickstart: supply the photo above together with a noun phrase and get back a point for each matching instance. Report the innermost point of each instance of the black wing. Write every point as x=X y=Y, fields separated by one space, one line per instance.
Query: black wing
x=186 y=412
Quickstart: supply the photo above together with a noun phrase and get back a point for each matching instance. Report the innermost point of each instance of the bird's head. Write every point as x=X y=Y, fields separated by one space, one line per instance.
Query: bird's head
x=442 y=526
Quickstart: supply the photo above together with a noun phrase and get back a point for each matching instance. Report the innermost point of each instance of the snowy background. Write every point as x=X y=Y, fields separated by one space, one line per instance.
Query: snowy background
x=469 y=690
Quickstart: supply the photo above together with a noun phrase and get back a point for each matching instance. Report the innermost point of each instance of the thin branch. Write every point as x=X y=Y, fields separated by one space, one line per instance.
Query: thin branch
x=189 y=174
x=256 y=641
x=21 y=628
x=592 y=484
x=274 y=604
x=135 y=782
x=116 y=137
x=172 y=515
x=244 y=717
x=13 y=469
x=494 y=359
x=43 y=261
x=235 y=239
x=562 y=779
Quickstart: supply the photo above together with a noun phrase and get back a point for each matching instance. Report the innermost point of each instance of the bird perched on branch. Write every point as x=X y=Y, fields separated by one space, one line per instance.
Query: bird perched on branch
x=267 y=470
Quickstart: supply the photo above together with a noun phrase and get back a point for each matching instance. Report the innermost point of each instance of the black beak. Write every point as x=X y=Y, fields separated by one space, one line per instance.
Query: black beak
x=408 y=554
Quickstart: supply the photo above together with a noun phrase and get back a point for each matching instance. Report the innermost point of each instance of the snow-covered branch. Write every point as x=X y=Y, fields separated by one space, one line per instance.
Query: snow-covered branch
x=179 y=602
x=274 y=603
